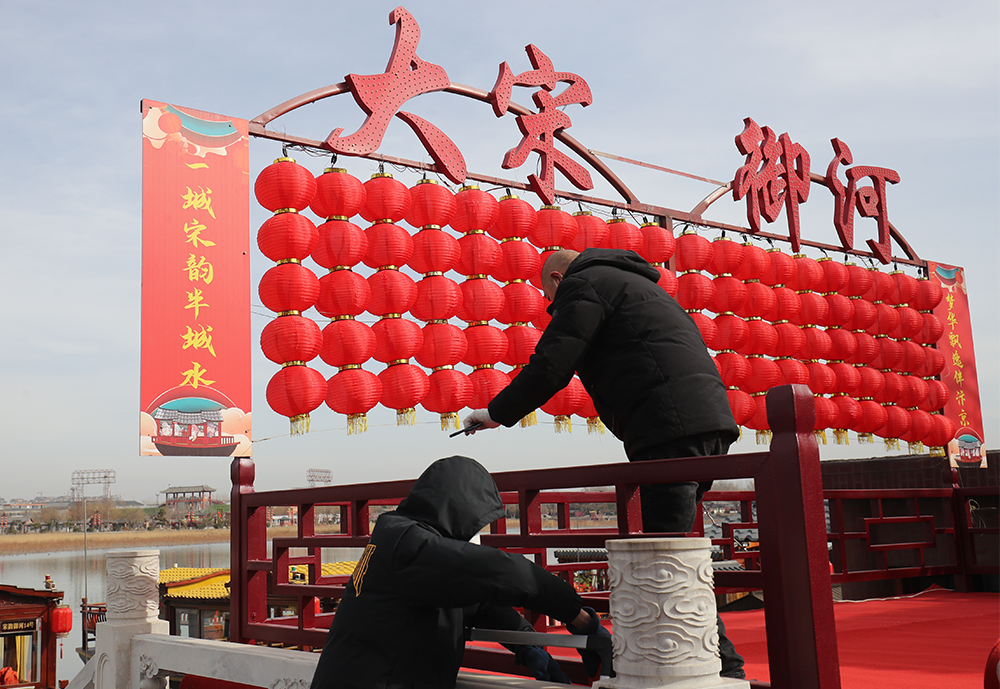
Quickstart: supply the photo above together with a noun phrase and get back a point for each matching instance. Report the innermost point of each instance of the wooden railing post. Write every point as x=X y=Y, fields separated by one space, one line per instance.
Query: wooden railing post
x=798 y=599
x=242 y=475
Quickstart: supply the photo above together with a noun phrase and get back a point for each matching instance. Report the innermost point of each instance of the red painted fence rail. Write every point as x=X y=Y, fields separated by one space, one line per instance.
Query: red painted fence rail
x=792 y=565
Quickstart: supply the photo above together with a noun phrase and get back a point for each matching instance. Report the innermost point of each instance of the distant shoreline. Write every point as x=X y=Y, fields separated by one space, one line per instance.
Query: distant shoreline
x=23 y=544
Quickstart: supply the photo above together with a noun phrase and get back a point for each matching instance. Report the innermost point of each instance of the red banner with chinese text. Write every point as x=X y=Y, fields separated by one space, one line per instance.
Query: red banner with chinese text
x=959 y=373
x=195 y=391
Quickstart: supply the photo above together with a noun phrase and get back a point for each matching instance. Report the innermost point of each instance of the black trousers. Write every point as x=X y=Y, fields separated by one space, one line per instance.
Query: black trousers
x=672 y=507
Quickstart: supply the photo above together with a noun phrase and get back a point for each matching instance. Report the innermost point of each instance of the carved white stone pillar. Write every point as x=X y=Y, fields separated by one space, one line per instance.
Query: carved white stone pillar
x=133 y=600
x=664 y=616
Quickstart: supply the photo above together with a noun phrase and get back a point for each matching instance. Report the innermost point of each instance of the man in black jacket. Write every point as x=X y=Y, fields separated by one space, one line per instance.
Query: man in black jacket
x=645 y=365
x=420 y=583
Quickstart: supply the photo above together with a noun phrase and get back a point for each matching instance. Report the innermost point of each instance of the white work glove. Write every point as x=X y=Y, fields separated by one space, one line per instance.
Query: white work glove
x=479 y=416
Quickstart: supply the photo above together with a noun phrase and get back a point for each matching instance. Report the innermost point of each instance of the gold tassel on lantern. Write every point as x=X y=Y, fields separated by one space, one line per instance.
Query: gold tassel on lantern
x=449 y=421
x=915 y=448
x=406 y=417
x=820 y=436
x=892 y=443
x=529 y=420
x=866 y=438
x=841 y=435
x=299 y=424
x=595 y=425
x=563 y=423
x=938 y=452
x=357 y=423
x=763 y=437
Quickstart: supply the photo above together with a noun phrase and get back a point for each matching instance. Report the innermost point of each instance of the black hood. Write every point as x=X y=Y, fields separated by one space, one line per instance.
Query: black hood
x=617 y=258
x=456 y=496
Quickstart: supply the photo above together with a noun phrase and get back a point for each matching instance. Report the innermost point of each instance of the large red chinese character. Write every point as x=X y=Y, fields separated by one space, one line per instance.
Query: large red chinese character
x=870 y=201
x=776 y=173
x=381 y=95
x=539 y=129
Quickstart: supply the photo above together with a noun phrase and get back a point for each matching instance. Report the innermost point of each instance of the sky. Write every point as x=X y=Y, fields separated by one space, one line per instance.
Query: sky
x=913 y=86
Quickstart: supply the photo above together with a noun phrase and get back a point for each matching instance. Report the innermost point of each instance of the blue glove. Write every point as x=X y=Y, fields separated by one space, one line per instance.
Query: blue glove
x=542 y=665
x=591 y=659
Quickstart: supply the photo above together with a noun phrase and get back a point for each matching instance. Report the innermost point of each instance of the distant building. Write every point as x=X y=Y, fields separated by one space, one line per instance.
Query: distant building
x=188 y=498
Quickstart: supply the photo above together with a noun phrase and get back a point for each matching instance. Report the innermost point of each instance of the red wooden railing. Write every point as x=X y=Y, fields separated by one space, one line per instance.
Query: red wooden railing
x=792 y=565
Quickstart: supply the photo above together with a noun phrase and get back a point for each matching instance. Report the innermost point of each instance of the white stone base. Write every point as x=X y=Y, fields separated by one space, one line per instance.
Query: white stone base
x=112 y=656
x=703 y=682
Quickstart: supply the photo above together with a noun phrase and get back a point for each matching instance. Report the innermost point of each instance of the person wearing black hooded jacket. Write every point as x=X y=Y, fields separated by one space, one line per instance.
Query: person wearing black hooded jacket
x=419 y=583
x=643 y=361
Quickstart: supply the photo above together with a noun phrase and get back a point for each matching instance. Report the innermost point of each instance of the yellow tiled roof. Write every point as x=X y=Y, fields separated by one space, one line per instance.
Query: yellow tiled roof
x=211 y=583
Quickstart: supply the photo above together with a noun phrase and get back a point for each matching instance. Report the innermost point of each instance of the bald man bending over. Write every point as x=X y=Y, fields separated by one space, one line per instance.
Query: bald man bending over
x=645 y=365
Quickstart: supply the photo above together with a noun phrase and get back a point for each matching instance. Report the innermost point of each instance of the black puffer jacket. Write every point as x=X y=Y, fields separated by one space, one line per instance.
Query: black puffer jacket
x=400 y=622
x=638 y=354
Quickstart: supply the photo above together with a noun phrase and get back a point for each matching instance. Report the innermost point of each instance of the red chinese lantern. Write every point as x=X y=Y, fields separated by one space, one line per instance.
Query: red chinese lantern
x=591 y=232
x=822 y=379
x=865 y=349
x=61 y=622
x=814 y=309
x=396 y=338
x=841 y=309
x=787 y=305
x=759 y=420
x=354 y=391
x=826 y=415
x=732 y=333
x=521 y=303
x=434 y=251
x=295 y=391
x=479 y=254
x=284 y=184
x=734 y=368
x=765 y=374
x=760 y=300
x=741 y=404
x=914 y=391
x=873 y=418
x=287 y=235
x=487 y=345
x=588 y=412
x=835 y=275
x=929 y=295
x=931 y=329
x=388 y=245
x=518 y=261
x=780 y=270
x=921 y=424
x=889 y=353
x=912 y=357
x=762 y=337
x=842 y=344
x=291 y=337
x=808 y=273
x=515 y=218
x=386 y=199
x=942 y=431
x=392 y=292
x=872 y=381
x=727 y=256
x=338 y=194
x=345 y=342
x=755 y=263
x=565 y=403
x=555 y=229
x=817 y=344
x=848 y=378
x=668 y=281
x=848 y=416
x=658 y=243
x=521 y=341
x=482 y=300
x=793 y=371
x=864 y=314
x=431 y=204
x=910 y=324
x=339 y=243
x=859 y=281
x=542 y=320
x=288 y=286
x=730 y=294
x=343 y=293
x=486 y=383
x=403 y=387
x=791 y=339
x=448 y=392
x=707 y=327
x=695 y=291
x=937 y=395
x=904 y=288
x=624 y=235
x=474 y=210
x=933 y=363
x=693 y=252
x=443 y=344
x=891 y=390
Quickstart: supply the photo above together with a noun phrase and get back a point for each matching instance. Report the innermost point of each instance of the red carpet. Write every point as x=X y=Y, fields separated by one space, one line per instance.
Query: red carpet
x=937 y=639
